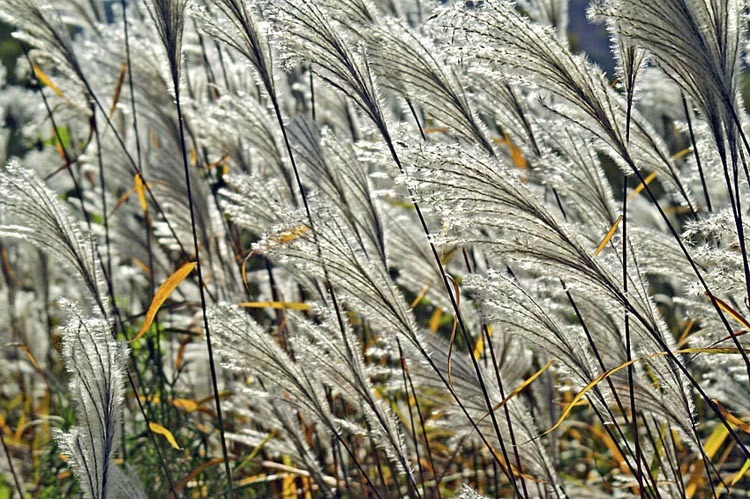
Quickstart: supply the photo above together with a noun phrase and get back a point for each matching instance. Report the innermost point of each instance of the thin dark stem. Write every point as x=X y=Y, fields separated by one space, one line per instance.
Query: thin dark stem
x=394 y=155
x=628 y=347
x=597 y=355
x=312 y=94
x=498 y=378
x=404 y=369
x=130 y=83
x=694 y=144
x=134 y=167
x=201 y=285
x=152 y=436
x=147 y=216
x=694 y=266
x=335 y=452
x=459 y=317
x=680 y=481
x=424 y=434
x=379 y=466
x=11 y=467
x=329 y=287
x=737 y=195
x=416 y=119
x=357 y=464
x=96 y=296
x=103 y=187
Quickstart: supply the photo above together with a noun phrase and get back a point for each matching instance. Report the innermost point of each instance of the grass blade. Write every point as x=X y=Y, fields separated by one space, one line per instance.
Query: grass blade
x=162 y=294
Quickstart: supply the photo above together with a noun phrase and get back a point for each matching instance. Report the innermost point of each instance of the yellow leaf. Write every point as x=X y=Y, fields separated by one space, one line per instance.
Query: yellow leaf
x=517 y=157
x=159 y=429
x=145 y=268
x=603 y=437
x=730 y=350
x=711 y=447
x=513 y=469
x=288 y=486
x=291 y=234
x=259 y=478
x=419 y=297
x=714 y=441
x=642 y=186
x=745 y=468
x=222 y=396
x=186 y=404
x=181 y=353
x=290 y=305
x=686 y=332
x=7 y=268
x=566 y=412
x=140 y=190
x=479 y=347
x=44 y=79
x=682 y=153
x=218 y=162
x=282 y=238
x=435 y=319
x=609 y=235
x=161 y=295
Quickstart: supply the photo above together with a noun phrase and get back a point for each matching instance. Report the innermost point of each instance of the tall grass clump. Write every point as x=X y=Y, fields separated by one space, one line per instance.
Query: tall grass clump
x=374 y=249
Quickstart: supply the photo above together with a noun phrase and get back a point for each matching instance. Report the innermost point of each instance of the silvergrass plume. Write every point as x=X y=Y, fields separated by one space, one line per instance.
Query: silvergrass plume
x=440 y=252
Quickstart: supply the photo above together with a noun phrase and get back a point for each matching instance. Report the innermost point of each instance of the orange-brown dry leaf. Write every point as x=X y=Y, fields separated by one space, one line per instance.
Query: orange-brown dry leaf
x=118 y=89
x=162 y=294
x=44 y=79
x=729 y=310
x=732 y=418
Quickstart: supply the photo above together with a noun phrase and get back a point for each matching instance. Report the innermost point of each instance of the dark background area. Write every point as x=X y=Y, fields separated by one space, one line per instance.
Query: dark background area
x=10 y=50
x=587 y=37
